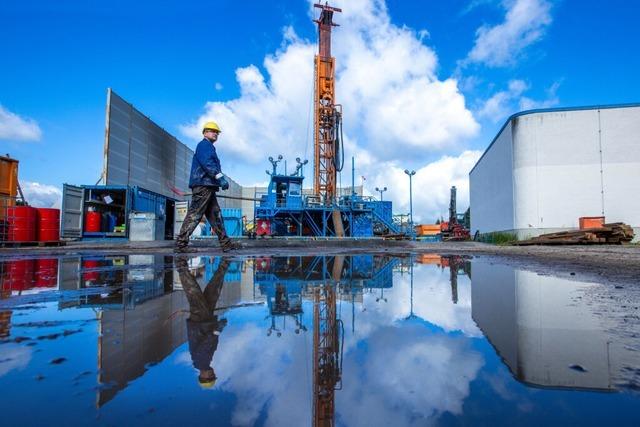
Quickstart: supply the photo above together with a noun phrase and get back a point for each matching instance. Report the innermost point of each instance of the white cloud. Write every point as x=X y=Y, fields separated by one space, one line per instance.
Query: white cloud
x=500 y=104
x=551 y=100
x=14 y=127
x=400 y=111
x=41 y=195
x=218 y=86
x=504 y=103
x=431 y=185
x=525 y=23
x=15 y=356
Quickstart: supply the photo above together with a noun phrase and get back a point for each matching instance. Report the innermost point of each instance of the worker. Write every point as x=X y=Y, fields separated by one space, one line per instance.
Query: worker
x=205 y=180
x=203 y=327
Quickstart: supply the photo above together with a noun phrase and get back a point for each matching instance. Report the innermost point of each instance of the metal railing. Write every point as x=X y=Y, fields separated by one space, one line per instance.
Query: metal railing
x=8 y=216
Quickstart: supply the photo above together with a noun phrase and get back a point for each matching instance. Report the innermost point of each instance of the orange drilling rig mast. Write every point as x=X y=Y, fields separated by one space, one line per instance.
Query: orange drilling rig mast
x=327 y=126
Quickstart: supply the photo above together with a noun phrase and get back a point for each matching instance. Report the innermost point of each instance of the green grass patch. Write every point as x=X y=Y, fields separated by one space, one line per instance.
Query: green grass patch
x=499 y=238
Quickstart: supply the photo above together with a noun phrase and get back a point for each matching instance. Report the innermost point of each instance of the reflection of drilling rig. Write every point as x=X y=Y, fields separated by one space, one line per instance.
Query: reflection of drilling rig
x=326 y=280
x=327 y=349
x=457 y=265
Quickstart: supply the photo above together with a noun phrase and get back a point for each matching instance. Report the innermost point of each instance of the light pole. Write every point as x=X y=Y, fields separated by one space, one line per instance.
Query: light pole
x=381 y=190
x=274 y=164
x=410 y=173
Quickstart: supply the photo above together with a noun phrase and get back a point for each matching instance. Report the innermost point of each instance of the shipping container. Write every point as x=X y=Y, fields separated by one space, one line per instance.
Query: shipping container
x=103 y=211
x=427 y=229
x=8 y=176
x=232 y=218
x=232 y=221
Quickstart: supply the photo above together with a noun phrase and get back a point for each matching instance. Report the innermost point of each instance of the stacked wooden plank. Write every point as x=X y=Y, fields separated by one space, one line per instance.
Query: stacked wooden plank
x=614 y=233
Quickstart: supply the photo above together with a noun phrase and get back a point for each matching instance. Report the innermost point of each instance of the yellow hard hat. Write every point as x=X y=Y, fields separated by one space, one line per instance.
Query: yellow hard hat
x=207 y=384
x=211 y=125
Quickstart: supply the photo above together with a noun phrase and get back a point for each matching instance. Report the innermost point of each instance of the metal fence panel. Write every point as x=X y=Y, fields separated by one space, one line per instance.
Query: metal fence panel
x=139 y=152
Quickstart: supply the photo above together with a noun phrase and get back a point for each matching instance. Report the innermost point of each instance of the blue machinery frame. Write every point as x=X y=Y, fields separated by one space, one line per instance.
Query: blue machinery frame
x=285 y=211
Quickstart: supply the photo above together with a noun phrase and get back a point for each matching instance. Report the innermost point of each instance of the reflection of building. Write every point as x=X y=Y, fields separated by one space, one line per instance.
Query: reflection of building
x=543 y=333
x=24 y=276
x=132 y=279
x=142 y=317
x=132 y=340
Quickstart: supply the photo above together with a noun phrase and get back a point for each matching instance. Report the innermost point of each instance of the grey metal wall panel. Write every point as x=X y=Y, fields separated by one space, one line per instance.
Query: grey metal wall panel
x=139 y=152
x=71 y=221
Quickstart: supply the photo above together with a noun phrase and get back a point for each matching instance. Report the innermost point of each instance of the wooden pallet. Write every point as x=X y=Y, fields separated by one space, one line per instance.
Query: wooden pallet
x=614 y=233
x=31 y=244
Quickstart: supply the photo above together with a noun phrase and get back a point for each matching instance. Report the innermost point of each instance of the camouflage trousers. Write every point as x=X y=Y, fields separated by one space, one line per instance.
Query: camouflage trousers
x=203 y=202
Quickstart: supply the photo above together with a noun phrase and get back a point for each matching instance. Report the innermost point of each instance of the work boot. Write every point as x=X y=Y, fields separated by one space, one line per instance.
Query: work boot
x=229 y=245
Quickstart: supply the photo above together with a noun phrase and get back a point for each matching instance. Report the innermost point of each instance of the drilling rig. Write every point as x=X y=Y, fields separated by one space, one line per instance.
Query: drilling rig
x=284 y=210
x=328 y=150
x=453 y=229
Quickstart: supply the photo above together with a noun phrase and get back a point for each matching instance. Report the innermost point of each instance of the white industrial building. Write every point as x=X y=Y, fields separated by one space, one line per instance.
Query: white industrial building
x=546 y=168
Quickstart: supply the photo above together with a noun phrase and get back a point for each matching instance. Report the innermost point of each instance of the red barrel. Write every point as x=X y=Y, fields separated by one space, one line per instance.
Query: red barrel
x=92 y=221
x=18 y=275
x=22 y=224
x=90 y=275
x=48 y=225
x=46 y=272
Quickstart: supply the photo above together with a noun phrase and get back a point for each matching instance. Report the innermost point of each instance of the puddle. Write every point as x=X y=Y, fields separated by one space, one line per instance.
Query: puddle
x=353 y=340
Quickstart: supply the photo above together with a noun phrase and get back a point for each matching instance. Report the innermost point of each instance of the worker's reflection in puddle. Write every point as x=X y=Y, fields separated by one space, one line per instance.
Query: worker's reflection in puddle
x=203 y=326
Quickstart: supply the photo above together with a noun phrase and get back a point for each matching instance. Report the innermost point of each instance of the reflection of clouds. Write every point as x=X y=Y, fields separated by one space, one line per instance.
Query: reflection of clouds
x=432 y=299
x=431 y=302
x=504 y=387
x=14 y=356
x=183 y=358
x=406 y=376
x=263 y=371
x=392 y=367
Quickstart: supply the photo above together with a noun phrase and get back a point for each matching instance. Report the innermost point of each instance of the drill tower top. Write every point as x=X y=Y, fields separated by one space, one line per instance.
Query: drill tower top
x=328 y=115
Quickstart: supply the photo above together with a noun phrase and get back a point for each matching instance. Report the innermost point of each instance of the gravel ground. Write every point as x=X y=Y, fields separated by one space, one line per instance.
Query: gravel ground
x=619 y=263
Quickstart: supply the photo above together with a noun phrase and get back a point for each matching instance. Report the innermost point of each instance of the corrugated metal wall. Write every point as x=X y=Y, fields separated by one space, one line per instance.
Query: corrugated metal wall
x=139 y=152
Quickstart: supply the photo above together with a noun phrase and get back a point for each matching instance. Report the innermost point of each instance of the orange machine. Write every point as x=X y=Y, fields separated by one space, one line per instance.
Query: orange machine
x=8 y=184
x=328 y=115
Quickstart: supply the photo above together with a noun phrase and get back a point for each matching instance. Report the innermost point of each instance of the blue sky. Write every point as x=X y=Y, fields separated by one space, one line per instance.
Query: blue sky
x=425 y=85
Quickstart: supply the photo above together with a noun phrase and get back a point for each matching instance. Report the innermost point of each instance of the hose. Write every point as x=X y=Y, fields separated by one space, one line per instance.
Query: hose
x=338 y=160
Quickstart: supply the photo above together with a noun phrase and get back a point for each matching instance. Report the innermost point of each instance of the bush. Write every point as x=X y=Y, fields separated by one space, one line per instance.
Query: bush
x=498 y=238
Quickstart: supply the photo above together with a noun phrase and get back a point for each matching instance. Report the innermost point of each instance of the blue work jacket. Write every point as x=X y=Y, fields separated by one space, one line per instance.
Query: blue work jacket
x=205 y=166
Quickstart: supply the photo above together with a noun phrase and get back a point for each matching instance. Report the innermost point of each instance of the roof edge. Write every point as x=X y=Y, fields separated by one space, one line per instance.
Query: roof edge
x=550 y=110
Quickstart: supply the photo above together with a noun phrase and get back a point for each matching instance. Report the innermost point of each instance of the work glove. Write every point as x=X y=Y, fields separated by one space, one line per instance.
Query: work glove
x=224 y=184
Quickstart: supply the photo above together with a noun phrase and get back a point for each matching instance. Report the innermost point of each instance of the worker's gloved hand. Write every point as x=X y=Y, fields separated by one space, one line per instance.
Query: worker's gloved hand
x=222 y=180
x=224 y=184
